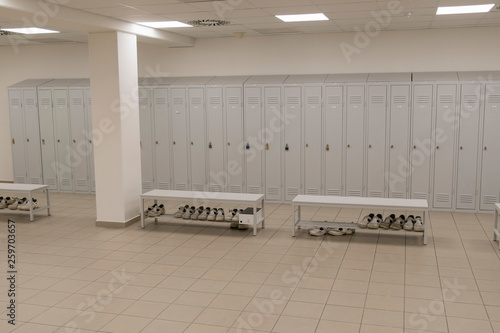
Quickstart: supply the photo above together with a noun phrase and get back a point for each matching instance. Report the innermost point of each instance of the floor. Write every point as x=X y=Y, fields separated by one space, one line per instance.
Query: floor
x=182 y=276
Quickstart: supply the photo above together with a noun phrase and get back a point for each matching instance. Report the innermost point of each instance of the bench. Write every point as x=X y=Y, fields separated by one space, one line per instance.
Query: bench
x=495 y=228
x=26 y=190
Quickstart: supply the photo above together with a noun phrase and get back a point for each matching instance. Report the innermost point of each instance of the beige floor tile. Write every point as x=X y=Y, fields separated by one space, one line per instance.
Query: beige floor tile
x=158 y=325
x=423 y=292
x=328 y=326
x=350 y=286
x=303 y=310
x=230 y=302
x=30 y=311
x=32 y=327
x=383 y=318
x=342 y=313
x=195 y=298
x=461 y=325
x=89 y=320
x=426 y=320
x=241 y=289
x=126 y=324
x=162 y=295
x=462 y=310
x=145 y=309
x=184 y=313
x=354 y=274
x=55 y=316
x=310 y=295
x=379 y=302
x=347 y=299
x=47 y=298
x=176 y=282
x=217 y=317
x=287 y=324
x=201 y=328
x=366 y=328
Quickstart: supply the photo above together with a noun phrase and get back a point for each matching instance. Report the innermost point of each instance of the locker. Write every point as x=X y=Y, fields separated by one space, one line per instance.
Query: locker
x=47 y=136
x=313 y=119
x=273 y=145
x=234 y=138
x=399 y=168
x=293 y=139
x=468 y=141
x=179 y=139
x=32 y=127
x=420 y=157
x=355 y=118
x=490 y=181
x=79 y=149
x=17 y=130
x=90 y=139
x=216 y=142
x=333 y=134
x=253 y=141
x=444 y=150
x=63 y=139
x=376 y=139
x=162 y=138
x=198 y=141
x=146 y=134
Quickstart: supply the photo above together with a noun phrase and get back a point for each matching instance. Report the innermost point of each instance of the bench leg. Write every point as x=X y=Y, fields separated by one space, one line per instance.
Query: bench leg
x=426 y=218
x=293 y=220
x=142 y=213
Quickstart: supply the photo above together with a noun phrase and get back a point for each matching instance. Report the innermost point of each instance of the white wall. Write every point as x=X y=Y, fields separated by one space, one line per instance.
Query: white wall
x=466 y=49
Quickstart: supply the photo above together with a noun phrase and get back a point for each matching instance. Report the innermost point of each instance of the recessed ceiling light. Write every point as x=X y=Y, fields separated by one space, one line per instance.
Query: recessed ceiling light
x=303 y=17
x=464 y=9
x=31 y=31
x=165 y=24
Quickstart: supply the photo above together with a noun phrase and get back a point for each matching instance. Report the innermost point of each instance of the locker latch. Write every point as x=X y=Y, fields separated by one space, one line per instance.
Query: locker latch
x=210 y=145
x=307 y=145
x=27 y=140
x=43 y=141
x=247 y=146
x=286 y=147
x=267 y=146
x=229 y=143
x=13 y=141
x=327 y=147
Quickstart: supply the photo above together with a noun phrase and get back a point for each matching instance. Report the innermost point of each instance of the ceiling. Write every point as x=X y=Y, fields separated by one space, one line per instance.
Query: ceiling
x=252 y=17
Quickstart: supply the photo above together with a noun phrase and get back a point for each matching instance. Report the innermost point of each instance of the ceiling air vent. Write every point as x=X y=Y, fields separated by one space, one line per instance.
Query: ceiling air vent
x=208 y=23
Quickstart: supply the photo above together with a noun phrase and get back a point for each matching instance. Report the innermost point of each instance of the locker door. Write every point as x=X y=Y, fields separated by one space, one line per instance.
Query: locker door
x=444 y=146
x=292 y=142
x=162 y=140
x=234 y=130
x=354 y=148
x=63 y=139
x=79 y=141
x=47 y=135
x=421 y=141
x=377 y=112
x=334 y=97
x=146 y=128
x=17 y=136
x=32 y=125
x=253 y=139
x=312 y=137
x=215 y=123
x=399 y=168
x=490 y=181
x=468 y=141
x=179 y=140
x=90 y=139
x=198 y=144
x=273 y=147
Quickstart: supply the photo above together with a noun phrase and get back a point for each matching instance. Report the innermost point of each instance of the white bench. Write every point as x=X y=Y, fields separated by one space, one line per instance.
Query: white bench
x=495 y=228
x=356 y=202
x=204 y=198
x=26 y=190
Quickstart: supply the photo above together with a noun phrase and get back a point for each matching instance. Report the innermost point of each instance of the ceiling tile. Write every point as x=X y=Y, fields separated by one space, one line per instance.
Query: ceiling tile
x=168 y=9
x=116 y=11
x=245 y=13
x=293 y=10
x=85 y=4
x=281 y=3
x=350 y=7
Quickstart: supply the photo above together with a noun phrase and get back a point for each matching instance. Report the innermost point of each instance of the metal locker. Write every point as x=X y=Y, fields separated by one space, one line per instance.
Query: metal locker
x=272 y=141
x=146 y=127
x=444 y=145
x=63 y=139
x=162 y=139
x=216 y=142
x=90 y=139
x=468 y=142
x=198 y=149
x=376 y=140
x=490 y=181
x=253 y=144
x=234 y=138
x=333 y=134
x=79 y=148
x=313 y=119
x=292 y=144
x=354 y=140
x=399 y=168
x=18 y=138
x=47 y=138
x=179 y=139
x=32 y=126
x=420 y=157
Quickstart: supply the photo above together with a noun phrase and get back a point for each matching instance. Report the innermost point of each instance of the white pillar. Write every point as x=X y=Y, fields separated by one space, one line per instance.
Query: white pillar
x=115 y=119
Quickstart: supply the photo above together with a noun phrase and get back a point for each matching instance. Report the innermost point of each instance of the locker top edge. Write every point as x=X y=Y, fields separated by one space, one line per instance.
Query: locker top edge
x=436 y=76
x=389 y=77
x=346 y=78
x=195 y=80
x=228 y=80
x=59 y=83
x=30 y=83
x=156 y=81
x=266 y=79
x=483 y=77
x=82 y=83
x=315 y=78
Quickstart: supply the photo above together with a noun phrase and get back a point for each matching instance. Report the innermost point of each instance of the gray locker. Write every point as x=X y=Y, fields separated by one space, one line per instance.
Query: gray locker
x=47 y=138
x=399 y=167
x=234 y=138
x=18 y=138
x=253 y=140
x=63 y=139
x=216 y=142
x=355 y=120
x=490 y=181
x=146 y=119
x=468 y=143
x=333 y=139
x=179 y=139
x=444 y=150
x=313 y=146
x=198 y=149
x=420 y=157
x=162 y=140
x=292 y=141
x=90 y=138
x=32 y=127
x=376 y=140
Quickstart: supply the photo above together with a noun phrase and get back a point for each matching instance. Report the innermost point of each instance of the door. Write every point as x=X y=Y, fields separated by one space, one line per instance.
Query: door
x=354 y=146
x=17 y=136
x=234 y=138
x=376 y=154
x=273 y=146
x=215 y=128
x=47 y=138
x=422 y=145
x=146 y=128
x=399 y=167
x=252 y=143
x=90 y=138
x=197 y=125
x=179 y=139
x=313 y=119
x=292 y=123
x=334 y=134
x=162 y=138
x=32 y=126
x=79 y=148
x=63 y=139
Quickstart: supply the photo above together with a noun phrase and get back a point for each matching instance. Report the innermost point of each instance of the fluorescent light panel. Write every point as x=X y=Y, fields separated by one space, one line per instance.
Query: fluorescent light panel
x=165 y=24
x=464 y=9
x=303 y=17
x=31 y=31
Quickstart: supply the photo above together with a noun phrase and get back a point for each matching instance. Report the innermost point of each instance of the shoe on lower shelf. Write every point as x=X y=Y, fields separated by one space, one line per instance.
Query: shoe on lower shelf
x=220 y=215
x=197 y=213
x=388 y=221
x=16 y=203
x=229 y=216
x=419 y=224
x=181 y=211
x=315 y=231
x=398 y=223
x=236 y=217
x=367 y=219
x=375 y=222
x=187 y=214
x=336 y=231
x=204 y=214
x=3 y=203
x=410 y=221
x=213 y=215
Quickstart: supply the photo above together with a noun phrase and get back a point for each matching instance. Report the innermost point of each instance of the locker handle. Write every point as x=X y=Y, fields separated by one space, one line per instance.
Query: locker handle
x=247 y=146
x=156 y=142
x=307 y=145
x=210 y=145
x=58 y=140
x=74 y=141
x=348 y=146
x=286 y=147
x=369 y=146
x=13 y=141
x=90 y=141
x=392 y=146
x=229 y=143
x=485 y=148
x=327 y=147
x=437 y=147
x=43 y=141
x=461 y=147
x=28 y=140
x=267 y=146
x=192 y=143
x=414 y=147
x=174 y=142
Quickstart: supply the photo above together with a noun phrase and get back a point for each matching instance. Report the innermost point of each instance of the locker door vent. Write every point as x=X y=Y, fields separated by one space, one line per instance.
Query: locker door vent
x=313 y=100
x=470 y=99
x=181 y=187
x=292 y=100
x=312 y=191
x=292 y=191
x=377 y=99
x=65 y=182
x=216 y=188
x=273 y=100
x=160 y=101
x=446 y=99
x=163 y=186
x=61 y=101
x=81 y=183
x=198 y=187
x=465 y=198
x=45 y=101
x=399 y=195
x=355 y=99
x=35 y=180
x=333 y=99
x=489 y=199
x=235 y=189
x=143 y=101
x=442 y=197
x=352 y=193
x=273 y=190
x=20 y=180
x=494 y=99
x=423 y=99
x=214 y=100
x=147 y=186
x=253 y=100
x=30 y=101
x=50 y=181
x=15 y=102
x=178 y=101
x=400 y=99
x=233 y=100
x=375 y=194
x=420 y=195
x=76 y=101
x=332 y=192
x=196 y=100
x=254 y=189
